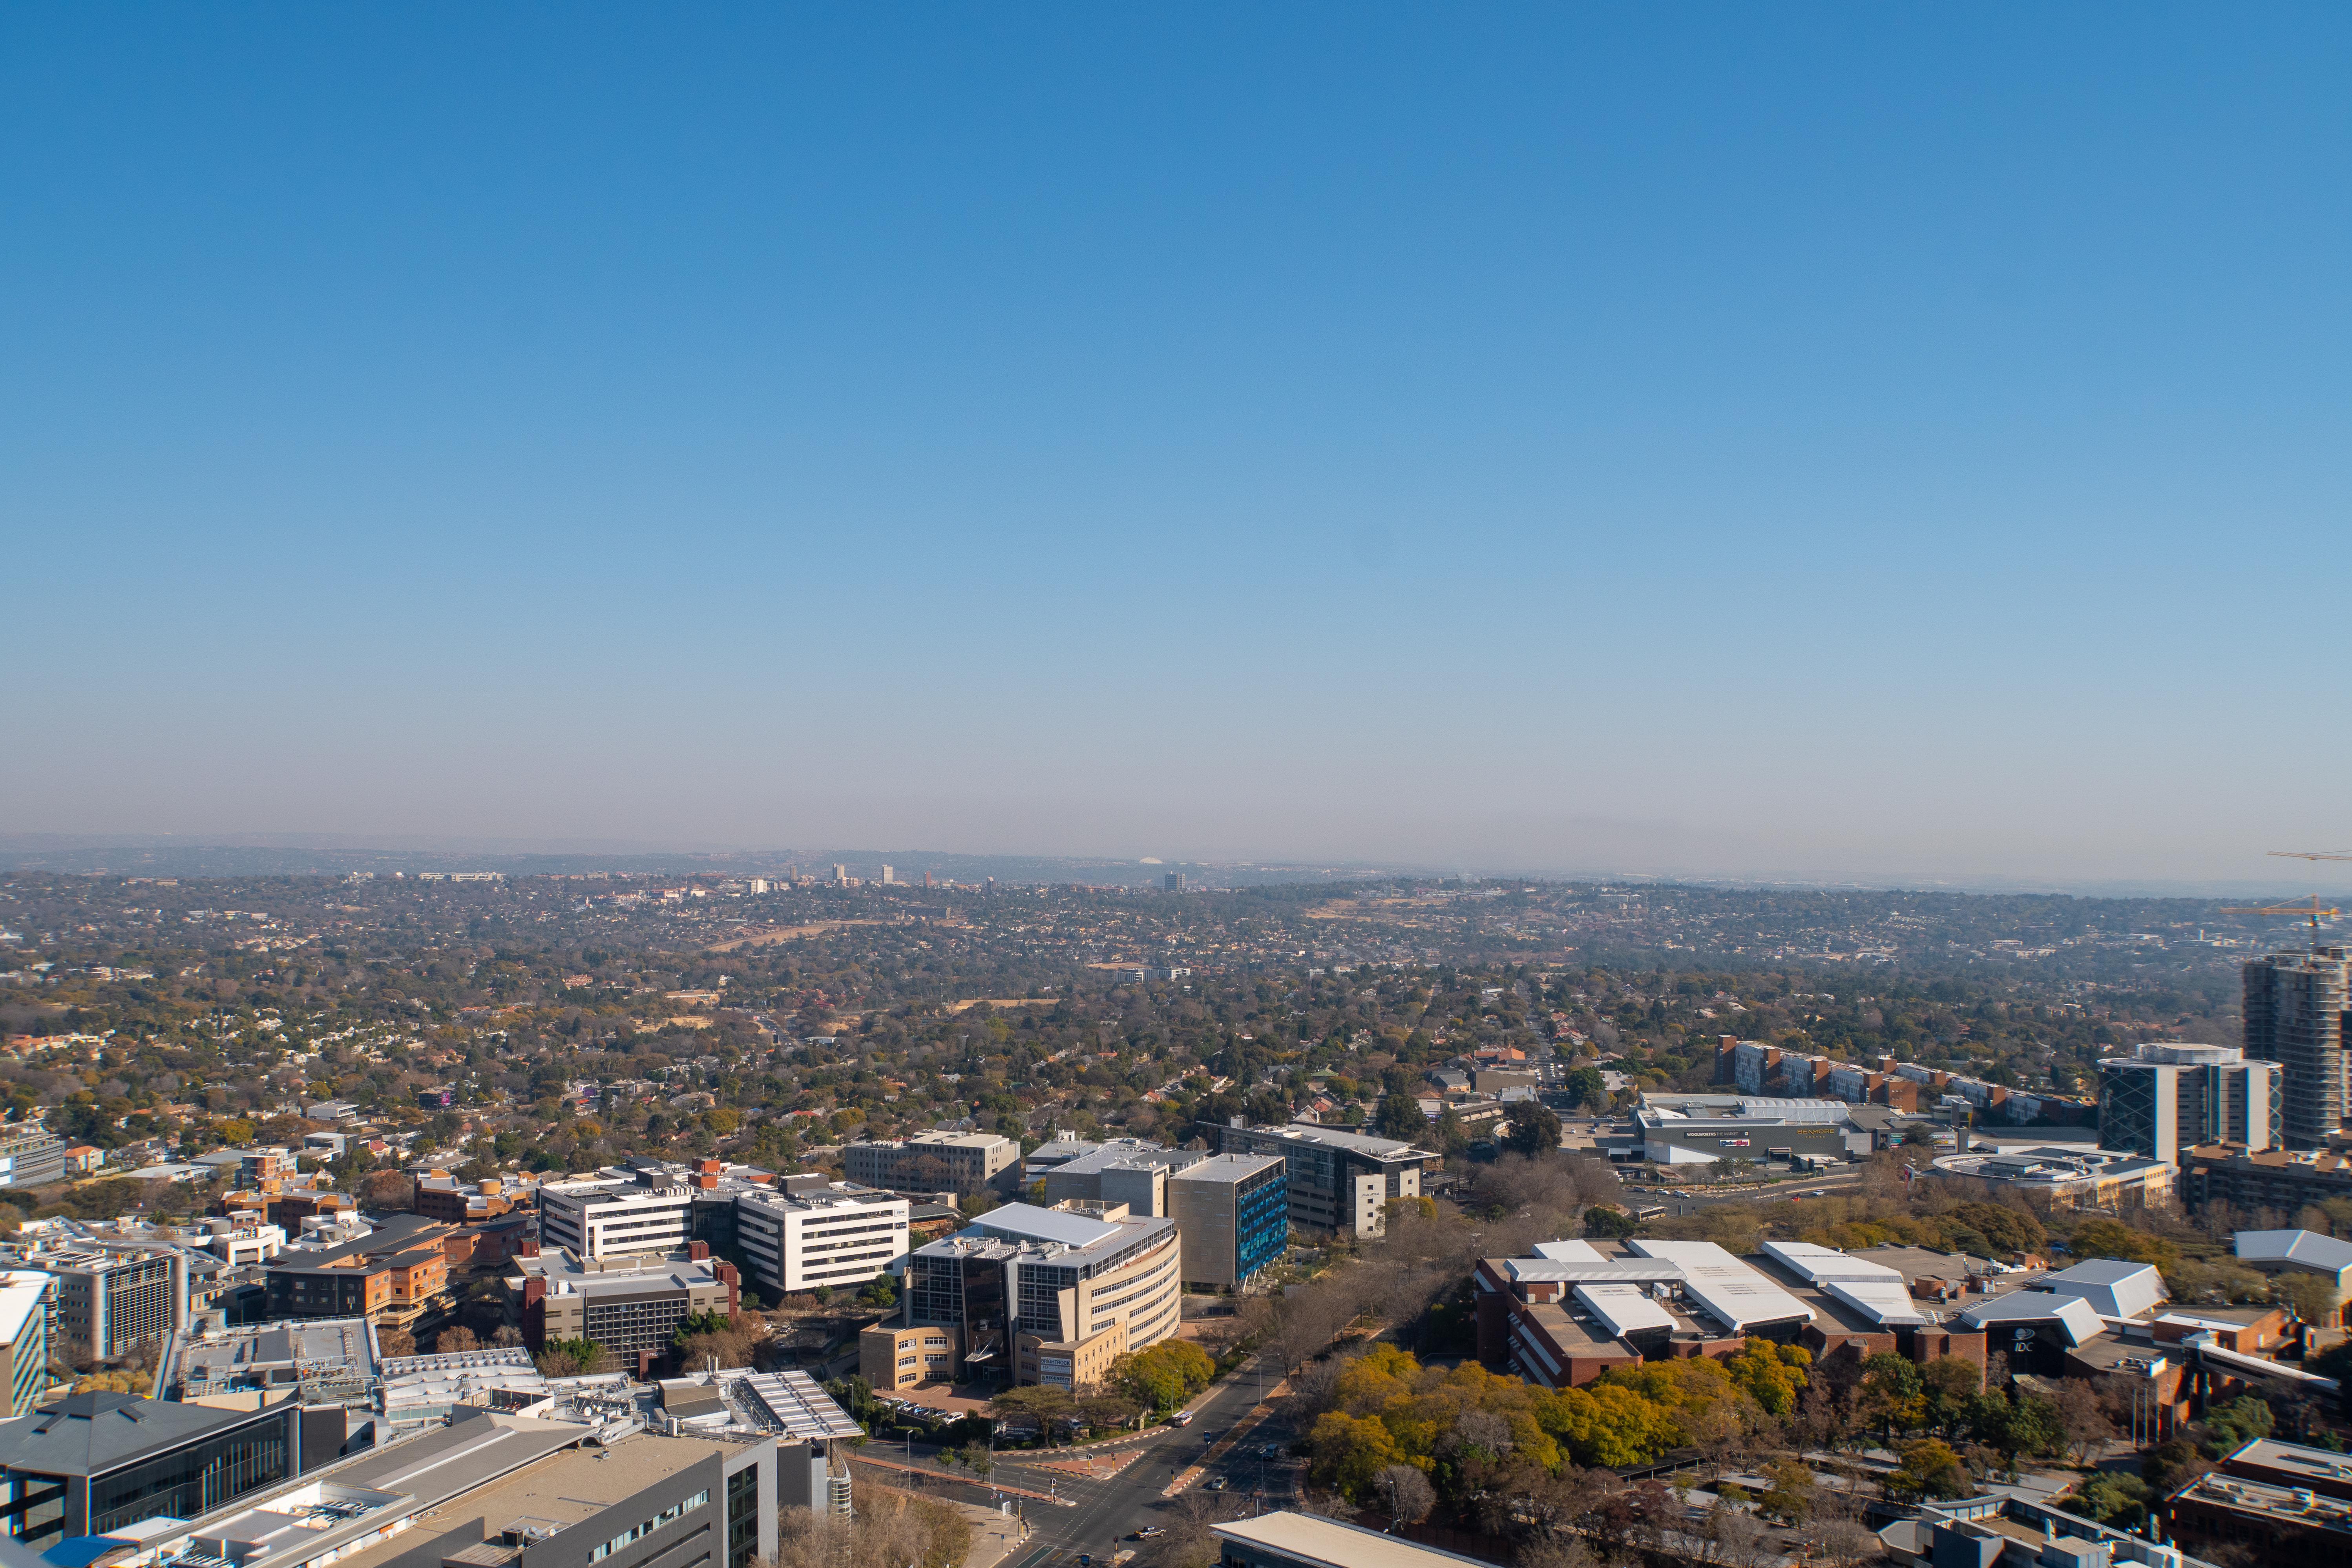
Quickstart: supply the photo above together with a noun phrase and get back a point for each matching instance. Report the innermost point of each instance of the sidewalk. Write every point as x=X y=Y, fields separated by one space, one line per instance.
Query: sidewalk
x=994 y=1536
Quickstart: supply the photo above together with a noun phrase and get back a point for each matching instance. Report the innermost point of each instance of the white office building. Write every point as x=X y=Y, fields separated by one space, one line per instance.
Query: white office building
x=602 y=1219
x=838 y=1236
x=2168 y=1097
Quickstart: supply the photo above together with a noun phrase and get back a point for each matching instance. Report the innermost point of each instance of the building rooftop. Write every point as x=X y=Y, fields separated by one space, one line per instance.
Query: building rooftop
x=1225 y=1168
x=88 y=1434
x=1028 y=1222
x=2299 y=1505
x=2307 y=1248
x=2079 y=1318
x=422 y=1387
x=2049 y=1166
x=942 y=1139
x=1125 y=1151
x=834 y=1195
x=567 y=1274
x=1623 y=1309
x=1918 y=1263
x=303 y=1354
x=1736 y=1295
x=2114 y=1289
x=1326 y=1543
x=549 y=1489
x=2107 y=1352
x=795 y=1404
x=23 y=1292
x=1060 y=1152
x=1353 y=1142
x=390 y=1236
x=1877 y=1295
x=2320 y=1466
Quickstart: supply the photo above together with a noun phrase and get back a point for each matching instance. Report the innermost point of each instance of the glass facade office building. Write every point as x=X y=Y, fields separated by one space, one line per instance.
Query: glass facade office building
x=2170 y=1097
x=1233 y=1215
x=92 y=1464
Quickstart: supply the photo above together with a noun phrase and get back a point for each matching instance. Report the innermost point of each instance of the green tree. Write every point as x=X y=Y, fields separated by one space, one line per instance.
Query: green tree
x=1399 y=1116
x=1931 y=1470
x=1041 y=1405
x=2236 y=1425
x=1532 y=1128
x=2028 y=1424
x=1890 y=1397
x=2113 y=1239
x=574 y=1358
x=1951 y=1386
x=1601 y=1219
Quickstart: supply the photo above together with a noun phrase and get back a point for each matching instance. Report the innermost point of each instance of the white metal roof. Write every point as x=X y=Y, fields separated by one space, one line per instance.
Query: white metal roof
x=2080 y=1319
x=796 y=1404
x=2304 y=1249
x=1569 y=1251
x=1028 y=1222
x=1877 y=1292
x=1623 y=1308
x=1736 y=1295
x=1328 y=1543
x=2114 y=1289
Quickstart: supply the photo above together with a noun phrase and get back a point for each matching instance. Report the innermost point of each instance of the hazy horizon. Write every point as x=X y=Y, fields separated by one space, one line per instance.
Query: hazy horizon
x=1846 y=444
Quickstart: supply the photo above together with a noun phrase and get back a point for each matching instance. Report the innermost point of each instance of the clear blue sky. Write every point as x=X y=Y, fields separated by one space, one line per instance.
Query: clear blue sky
x=1830 y=439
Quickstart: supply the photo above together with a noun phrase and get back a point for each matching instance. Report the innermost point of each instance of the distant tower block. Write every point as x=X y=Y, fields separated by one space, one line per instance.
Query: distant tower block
x=2296 y=1004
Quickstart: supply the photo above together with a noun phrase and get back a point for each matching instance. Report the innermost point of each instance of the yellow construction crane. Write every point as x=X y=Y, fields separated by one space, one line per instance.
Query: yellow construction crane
x=2313 y=910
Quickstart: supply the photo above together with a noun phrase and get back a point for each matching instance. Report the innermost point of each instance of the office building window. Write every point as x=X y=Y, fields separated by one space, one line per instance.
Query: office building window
x=192 y=1481
x=744 y=1517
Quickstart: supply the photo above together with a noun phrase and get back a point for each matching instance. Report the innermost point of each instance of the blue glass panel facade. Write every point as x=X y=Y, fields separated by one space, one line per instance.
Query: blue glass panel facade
x=1261 y=1221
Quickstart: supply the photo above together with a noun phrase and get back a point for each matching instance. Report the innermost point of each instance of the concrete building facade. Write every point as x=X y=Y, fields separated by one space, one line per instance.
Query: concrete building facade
x=1232 y=1213
x=2168 y=1097
x=112 y=1297
x=936 y=1161
x=1049 y=1296
x=604 y=1217
x=27 y=1298
x=2294 y=1008
x=836 y=1236
x=1338 y=1183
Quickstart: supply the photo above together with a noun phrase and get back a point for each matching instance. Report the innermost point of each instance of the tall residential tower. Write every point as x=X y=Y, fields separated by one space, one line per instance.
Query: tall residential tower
x=2294 y=1016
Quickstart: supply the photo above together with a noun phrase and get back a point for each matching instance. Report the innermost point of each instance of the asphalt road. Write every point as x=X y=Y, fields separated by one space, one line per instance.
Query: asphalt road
x=1107 y=1510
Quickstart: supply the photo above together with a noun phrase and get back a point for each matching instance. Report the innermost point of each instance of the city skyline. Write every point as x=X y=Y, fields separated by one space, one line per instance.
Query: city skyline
x=1846 y=445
